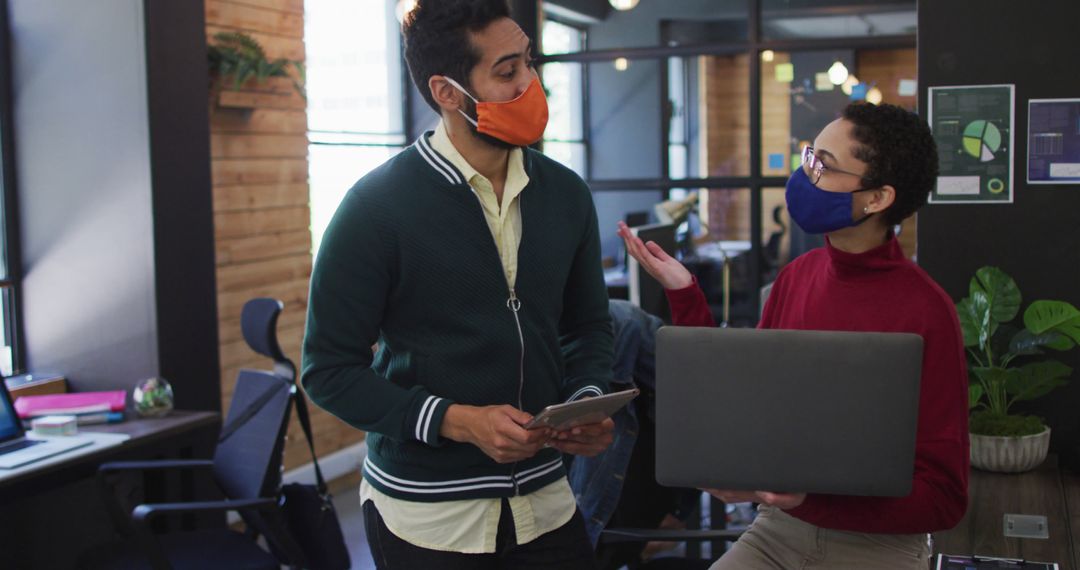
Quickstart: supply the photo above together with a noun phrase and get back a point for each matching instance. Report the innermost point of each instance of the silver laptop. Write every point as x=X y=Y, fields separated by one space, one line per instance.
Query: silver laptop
x=787 y=411
x=16 y=449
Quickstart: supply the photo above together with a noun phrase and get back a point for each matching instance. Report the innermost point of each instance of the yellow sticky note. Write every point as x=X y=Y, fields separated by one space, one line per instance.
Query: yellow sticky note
x=785 y=72
x=822 y=82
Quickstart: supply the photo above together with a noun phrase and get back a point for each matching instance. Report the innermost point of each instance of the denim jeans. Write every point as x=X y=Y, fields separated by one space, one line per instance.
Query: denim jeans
x=597 y=481
x=566 y=547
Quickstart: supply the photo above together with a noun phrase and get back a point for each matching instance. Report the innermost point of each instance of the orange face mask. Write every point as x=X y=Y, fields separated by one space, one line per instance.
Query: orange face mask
x=520 y=121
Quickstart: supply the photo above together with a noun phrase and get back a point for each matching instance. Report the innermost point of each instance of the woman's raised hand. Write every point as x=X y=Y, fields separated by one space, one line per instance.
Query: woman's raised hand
x=664 y=268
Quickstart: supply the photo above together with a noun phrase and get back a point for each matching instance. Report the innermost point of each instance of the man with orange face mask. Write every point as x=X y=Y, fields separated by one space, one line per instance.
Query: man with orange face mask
x=474 y=261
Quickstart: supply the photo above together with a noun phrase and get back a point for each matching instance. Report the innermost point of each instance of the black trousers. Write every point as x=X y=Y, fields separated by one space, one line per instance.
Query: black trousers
x=565 y=548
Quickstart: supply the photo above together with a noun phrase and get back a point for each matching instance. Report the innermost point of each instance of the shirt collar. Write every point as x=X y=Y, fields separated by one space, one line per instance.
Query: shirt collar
x=516 y=178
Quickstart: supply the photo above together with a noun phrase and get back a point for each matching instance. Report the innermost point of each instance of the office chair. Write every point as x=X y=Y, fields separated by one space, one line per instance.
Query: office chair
x=246 y=467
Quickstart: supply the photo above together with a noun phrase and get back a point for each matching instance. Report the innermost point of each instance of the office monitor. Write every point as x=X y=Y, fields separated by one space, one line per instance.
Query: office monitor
x=645 y=291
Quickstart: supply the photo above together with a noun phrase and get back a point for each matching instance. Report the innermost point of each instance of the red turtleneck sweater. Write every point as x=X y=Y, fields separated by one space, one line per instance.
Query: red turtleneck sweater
x=879 y=291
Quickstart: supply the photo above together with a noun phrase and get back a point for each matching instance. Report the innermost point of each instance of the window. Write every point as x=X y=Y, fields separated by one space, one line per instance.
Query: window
x=684 y=95
x=564 y=139
x=354 y=89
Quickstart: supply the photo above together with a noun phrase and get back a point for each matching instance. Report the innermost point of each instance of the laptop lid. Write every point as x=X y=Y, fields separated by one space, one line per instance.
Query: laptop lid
x=787 y=411
x=10 y=426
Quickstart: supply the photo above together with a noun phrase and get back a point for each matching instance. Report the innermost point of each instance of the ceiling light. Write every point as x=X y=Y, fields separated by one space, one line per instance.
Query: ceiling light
x=768 y=55
x=848 y=83
x=623 y=4
x=403 y=7
x=622 y=63
x=874 y=96
x=838 y=73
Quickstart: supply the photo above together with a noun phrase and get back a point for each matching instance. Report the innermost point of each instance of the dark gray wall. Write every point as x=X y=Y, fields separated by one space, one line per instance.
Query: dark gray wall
x=82 y=151
x=1035 y=239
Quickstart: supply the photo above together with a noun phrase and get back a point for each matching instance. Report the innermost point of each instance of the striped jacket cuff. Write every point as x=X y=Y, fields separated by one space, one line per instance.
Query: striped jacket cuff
x=429 y=420
x=585 y=392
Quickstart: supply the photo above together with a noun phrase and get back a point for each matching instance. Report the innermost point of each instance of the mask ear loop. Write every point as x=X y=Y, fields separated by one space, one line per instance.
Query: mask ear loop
x=866 y=213
x=462 y=89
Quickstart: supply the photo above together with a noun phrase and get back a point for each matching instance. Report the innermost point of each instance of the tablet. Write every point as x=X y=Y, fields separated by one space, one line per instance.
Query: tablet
x=580 y=412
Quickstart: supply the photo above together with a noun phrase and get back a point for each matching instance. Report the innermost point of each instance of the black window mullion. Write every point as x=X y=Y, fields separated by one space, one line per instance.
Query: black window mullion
x=754 y=10
x=13 y=280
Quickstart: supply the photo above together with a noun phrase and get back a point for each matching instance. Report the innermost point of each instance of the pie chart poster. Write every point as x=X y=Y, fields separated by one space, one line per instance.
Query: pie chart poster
x=973 y=127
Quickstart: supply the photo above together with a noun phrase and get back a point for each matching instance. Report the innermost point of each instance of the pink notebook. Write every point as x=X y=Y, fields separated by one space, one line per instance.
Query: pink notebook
x=73 y=403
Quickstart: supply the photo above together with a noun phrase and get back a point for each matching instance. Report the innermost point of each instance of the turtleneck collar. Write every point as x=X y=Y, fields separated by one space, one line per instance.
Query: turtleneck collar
x=882 y=258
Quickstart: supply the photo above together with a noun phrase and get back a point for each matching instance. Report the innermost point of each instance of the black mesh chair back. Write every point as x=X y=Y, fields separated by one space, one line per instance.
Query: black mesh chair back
x=248 y=459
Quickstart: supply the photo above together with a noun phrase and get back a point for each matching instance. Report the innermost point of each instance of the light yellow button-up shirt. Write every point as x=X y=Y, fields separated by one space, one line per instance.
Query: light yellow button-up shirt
x=470 y=526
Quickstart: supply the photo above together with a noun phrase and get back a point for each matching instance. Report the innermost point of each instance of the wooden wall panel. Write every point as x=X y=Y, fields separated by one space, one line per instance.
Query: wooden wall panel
x=295 y=6
x=261 y=205
x=227 y=172
x=258 y=145
x=256 y=196
x=273 y=121
x=261 y=247
x=245 y=18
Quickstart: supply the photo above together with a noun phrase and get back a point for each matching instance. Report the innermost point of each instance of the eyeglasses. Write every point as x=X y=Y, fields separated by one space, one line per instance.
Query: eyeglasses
x=817 y=167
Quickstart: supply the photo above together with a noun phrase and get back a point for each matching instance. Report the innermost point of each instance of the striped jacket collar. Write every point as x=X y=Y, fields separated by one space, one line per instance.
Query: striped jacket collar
x=438 y=162
x=442 y=166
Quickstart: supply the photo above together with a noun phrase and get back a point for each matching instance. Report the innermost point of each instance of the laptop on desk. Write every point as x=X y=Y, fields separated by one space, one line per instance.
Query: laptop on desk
x=16 y=449
x=787 y=411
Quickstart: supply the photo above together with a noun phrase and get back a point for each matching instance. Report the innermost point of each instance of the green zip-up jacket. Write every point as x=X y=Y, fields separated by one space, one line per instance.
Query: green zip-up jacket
x=409 y=261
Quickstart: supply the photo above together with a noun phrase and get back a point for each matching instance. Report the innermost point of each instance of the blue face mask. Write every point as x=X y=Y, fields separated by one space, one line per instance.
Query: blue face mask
x=818 y=211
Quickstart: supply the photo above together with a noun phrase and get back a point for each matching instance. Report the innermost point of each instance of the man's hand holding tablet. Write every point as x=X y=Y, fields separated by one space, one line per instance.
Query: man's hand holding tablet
x=582 y=427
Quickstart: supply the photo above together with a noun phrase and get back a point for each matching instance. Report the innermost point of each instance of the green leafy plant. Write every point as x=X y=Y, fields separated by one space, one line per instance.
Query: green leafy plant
x=239 y=56
x=1008 y=363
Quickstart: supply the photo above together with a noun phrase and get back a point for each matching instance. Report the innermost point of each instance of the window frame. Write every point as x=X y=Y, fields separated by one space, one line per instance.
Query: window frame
x=585 y=140
x=11 y=283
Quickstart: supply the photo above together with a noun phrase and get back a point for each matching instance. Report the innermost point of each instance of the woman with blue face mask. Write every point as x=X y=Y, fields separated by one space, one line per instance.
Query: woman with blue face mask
x=865 y=173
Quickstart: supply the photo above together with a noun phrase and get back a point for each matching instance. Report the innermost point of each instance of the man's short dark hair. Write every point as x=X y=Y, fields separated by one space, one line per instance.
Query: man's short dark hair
x=437 y=39
x=900 y=151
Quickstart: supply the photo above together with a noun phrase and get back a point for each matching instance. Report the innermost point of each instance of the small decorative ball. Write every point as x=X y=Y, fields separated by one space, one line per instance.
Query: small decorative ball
x=153 y=397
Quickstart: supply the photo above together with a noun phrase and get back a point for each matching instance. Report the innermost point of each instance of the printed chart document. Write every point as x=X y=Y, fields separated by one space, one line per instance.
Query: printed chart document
x=973 y=128
x=1053 y=141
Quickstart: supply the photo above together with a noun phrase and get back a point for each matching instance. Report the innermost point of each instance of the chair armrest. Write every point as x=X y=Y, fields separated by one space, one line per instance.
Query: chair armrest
x=143 y=513
x=614 y=535
x=154 y=465
x=118 y=515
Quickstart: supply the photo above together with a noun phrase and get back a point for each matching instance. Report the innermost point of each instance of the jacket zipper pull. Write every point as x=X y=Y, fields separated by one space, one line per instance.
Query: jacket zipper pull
x=513 y=303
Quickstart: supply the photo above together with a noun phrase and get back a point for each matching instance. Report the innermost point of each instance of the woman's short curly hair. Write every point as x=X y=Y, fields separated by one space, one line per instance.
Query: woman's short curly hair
x=900 y=151
x=437 y=39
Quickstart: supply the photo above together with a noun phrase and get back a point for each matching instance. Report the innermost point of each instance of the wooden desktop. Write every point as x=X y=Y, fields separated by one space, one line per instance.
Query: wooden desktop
x=1048 y=491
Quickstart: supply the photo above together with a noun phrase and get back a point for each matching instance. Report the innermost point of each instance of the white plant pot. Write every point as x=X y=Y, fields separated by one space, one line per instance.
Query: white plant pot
x=1009 y=454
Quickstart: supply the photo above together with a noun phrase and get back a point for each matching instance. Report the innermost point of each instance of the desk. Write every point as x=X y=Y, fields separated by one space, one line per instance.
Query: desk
x=56 y=502
x=141 y=434
x=1046 y=491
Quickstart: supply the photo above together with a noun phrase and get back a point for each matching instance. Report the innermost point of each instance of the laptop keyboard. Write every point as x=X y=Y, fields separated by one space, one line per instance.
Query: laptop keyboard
x=19 y=445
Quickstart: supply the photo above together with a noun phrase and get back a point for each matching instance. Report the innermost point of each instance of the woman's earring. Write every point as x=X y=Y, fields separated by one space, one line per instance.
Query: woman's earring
x=866 y=210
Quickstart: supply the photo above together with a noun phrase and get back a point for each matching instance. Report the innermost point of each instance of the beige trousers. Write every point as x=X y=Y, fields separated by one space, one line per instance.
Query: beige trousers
x=779 y=541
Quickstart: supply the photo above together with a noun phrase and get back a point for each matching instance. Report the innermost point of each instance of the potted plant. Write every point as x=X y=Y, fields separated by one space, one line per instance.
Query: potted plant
x=240 y=57
x=1008 y=364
